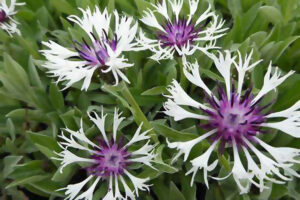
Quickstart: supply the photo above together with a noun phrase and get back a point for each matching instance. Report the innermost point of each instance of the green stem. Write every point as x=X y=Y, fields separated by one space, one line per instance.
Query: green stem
x=183 y=79
x=224 y=162
x=137 y=112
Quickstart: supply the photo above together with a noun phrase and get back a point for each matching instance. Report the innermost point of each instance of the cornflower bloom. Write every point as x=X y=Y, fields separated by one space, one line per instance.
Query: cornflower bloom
x=177 y=33
x=7 y=23
x=109 y=160
x=235 y=119
x=102 y=51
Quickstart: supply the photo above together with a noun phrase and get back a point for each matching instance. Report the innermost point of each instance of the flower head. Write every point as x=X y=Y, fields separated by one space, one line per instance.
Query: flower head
x=180 y=34
x=109 y=160
x=7 y=12
x=102 y=50
x=235 y=118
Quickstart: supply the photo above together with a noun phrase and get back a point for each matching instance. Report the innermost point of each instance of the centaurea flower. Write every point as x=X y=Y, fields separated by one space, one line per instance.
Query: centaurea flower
x=178 y=33
x=7 y=12
x=109 y=160
x=102 y=51
x=235 y=119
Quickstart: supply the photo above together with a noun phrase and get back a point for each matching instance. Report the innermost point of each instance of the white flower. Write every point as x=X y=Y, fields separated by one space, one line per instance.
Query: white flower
x=108 y=161
x=235 y=119
x=185 y=34
x=7 y=23
x=103 y=53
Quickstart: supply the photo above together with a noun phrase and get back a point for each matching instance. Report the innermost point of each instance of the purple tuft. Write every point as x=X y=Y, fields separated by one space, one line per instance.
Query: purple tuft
x=3 y=16
x=96 y=54
x=234 y=117
x=110 y=160
x=180 y=33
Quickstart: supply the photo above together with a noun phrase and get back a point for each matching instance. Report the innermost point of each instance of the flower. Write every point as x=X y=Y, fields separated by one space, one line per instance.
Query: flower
x=110 y=160
x=235 y=119
x=181 y=35
x=103 y=52
x=7 y=23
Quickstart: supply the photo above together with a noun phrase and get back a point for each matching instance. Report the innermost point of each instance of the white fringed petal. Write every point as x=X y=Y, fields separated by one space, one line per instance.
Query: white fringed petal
x=186 y=147
x=268 y=166
x=109 y=195
x=205 y=15
x=71 y=142
x=144 y=155
x=88 y=195
x=191 y=71
x=138 y=183
x=117 y=122
x=125 y=30
x=180 y=97
x=115 y=65
x=73 y=190
x=290 y=112
x=144 y=150
x=271 y=81
x=90 y=21
x=202 y=162
x=174 y=110
x=162 y=9
x=223 y=64
x=176 y=7
x=256 y=171
x=67 y=157
x=281 y=154
x=59 y=65
x=100 y=123
x=242 y=67
x=150 y=20
x=57 y=50
x=138 y=136
x=128 y=192
x=290 y=126
x=213 y=31
x=193 y=5
x=118 y=194
x=240 y=175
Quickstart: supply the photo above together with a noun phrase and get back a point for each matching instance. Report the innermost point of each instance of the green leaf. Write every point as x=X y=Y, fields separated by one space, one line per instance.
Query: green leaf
x=158 y=90
x=26 y=180
x=272 y=14
x=56 y=97
x=174 y=193
x=142 y=5
x=63 y=6
x=27 y=114
x=33 y=74
x=14 y=69
x=49 y=187
x=170 y=133
x=10 y=163
x=44 y=140
x=11 y=128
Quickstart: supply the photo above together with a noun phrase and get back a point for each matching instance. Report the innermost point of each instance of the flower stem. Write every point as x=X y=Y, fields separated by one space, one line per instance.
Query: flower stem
x=137 y=112
x=183 y=79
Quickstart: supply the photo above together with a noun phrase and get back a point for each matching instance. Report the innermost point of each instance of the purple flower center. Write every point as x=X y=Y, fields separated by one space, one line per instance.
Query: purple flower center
x=180 y=33
x=3 y=16
x=109 y=160
x=235 y=117
x=96 y=53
